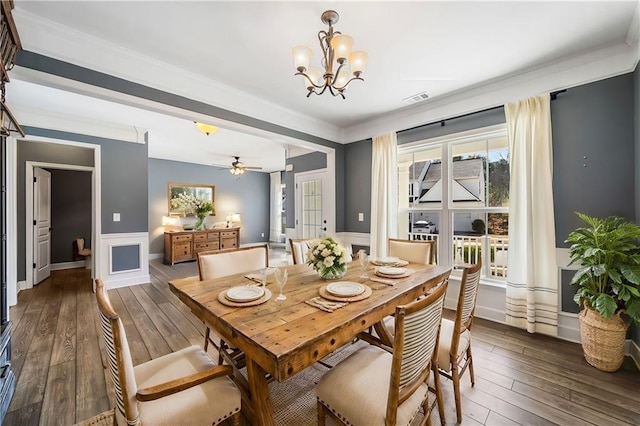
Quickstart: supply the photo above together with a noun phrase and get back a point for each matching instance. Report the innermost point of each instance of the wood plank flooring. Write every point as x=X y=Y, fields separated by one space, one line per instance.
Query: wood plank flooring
x=57 y=358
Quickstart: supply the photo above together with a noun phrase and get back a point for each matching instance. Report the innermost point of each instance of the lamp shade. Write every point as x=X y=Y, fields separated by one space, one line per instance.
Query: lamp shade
x=301 y=56
x=358 y=61
x=342 y=45
x=315 y=75
x=343 y=78
x=170 y=221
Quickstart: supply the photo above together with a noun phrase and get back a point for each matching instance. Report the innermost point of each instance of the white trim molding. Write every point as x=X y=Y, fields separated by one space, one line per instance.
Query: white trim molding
x=115 y=279
x=68 y=265
x=354 y=238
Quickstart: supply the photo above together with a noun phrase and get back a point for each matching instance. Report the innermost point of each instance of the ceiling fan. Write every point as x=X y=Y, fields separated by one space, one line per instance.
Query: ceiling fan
x=238 y=168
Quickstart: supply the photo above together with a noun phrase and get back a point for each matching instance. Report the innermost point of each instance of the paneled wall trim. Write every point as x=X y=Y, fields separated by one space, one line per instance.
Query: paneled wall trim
x=121 y=272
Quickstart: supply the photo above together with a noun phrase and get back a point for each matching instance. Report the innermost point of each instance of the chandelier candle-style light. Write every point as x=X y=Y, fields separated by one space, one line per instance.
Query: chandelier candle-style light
x=336 y=52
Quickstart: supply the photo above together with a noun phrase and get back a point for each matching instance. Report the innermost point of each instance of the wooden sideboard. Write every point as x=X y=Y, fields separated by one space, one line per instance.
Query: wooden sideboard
x=180 y=246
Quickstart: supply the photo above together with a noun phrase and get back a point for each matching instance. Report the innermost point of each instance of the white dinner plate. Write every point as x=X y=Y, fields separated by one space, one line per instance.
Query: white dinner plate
x=244 y=294
x=345 y=289
x=388 y=260
x=389 y=270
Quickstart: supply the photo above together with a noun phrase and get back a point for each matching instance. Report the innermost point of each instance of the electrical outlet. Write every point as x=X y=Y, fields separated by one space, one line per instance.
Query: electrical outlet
x=116 y=217
x=262 y=235
x=360 y=217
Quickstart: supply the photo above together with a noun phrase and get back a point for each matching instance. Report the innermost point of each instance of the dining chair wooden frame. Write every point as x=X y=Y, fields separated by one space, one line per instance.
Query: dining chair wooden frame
x=252 y=255
x=411 y=250
x=454 y=360
x=414 y=358
x=125 y=376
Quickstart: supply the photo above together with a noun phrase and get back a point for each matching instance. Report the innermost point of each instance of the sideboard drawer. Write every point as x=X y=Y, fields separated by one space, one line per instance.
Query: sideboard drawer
x=209 y=245
x=228 y=234
x=201 y=236
x=186 y=237
x=213 y=236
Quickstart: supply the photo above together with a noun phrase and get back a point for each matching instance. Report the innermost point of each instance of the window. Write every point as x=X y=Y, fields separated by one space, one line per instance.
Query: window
x=455 y=190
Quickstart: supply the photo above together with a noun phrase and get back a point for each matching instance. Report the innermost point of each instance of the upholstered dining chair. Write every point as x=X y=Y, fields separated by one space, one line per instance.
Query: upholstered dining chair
x=183 y=387
x=378 y=385
x=217 y=264
x=454 y=353
x=299 y=249
x=411 y=251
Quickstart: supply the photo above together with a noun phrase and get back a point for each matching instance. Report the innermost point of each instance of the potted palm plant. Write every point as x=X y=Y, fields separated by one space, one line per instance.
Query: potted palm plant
x=608 y=281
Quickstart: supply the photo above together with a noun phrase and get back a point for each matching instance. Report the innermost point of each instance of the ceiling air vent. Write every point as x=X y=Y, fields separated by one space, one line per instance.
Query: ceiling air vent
x=418 y=97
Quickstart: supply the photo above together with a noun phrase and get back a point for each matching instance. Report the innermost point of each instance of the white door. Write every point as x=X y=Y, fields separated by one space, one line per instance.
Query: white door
x=41 y=225
x=312 y=218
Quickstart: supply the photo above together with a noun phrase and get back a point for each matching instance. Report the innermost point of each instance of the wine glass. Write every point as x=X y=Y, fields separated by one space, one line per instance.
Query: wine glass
x=281 y=280
x=265 y=275
x=364 y=262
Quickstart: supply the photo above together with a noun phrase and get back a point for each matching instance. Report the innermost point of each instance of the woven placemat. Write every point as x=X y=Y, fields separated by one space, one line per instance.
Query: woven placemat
x=222 y=299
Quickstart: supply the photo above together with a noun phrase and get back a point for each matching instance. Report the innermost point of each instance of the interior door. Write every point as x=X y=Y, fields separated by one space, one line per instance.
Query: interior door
x=41 y=225
x=312 y=218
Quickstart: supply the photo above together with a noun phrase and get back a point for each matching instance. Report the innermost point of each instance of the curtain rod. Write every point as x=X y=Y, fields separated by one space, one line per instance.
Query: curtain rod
x=554 y=96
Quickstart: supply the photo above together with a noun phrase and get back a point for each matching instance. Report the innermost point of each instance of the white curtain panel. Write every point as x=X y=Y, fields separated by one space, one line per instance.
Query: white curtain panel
x=275 y=216
x=384 y=192
x=532 y=279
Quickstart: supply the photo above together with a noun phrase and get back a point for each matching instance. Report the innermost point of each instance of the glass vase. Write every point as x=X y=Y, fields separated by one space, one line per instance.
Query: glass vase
x=332 y=273
x=200 y=222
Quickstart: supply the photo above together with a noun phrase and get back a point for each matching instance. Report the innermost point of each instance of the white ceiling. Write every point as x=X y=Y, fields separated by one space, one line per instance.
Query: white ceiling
x=236 y=55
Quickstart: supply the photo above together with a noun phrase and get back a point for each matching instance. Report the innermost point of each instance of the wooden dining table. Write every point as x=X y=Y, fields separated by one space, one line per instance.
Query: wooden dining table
x=282 y=338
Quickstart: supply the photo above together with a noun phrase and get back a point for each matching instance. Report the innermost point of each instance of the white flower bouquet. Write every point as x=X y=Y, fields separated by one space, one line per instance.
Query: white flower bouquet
x=327 y=257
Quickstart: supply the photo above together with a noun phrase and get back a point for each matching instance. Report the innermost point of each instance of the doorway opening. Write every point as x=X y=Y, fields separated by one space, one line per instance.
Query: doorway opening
x=40 y=226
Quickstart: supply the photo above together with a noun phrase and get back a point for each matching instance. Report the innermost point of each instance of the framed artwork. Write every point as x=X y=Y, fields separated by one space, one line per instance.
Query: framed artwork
x=185 y=198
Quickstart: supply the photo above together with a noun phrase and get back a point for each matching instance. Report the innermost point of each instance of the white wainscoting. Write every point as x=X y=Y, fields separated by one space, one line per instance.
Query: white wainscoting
x=124 y=278
x=355 y=238
x=68 y=265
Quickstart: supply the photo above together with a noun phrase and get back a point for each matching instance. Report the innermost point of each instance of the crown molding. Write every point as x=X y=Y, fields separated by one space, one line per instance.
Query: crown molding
x=569 y=72
x=63 y=122
x=66 y=44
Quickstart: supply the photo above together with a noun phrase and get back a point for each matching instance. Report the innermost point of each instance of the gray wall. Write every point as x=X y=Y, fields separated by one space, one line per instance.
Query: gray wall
x=123 y=181
x=595 y=121
x=304 y=163
x=358 y=186
x=247 y=194
x=70 y=212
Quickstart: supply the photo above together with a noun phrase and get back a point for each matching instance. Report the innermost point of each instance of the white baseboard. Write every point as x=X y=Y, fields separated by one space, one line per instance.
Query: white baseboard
x=22 y=285
x=127 y=281
x=156 y=256
x=632 y=349
x=67 y=265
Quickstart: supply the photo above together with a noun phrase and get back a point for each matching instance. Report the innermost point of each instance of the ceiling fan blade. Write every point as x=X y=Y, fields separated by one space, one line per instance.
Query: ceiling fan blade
x=251 y=168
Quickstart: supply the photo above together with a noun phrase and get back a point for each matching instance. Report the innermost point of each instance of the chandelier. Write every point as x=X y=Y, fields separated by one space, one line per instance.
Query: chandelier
x=336 y=52
x=236 y=171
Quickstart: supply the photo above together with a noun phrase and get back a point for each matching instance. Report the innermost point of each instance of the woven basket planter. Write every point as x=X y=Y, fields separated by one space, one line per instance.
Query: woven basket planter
x=602 y=339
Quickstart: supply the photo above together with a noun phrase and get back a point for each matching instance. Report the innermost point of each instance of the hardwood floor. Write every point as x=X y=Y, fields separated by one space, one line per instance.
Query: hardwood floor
x=56 y=355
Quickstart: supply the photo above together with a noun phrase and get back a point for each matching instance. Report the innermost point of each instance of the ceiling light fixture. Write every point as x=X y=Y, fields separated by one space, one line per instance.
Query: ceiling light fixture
x=207 y=129
x=336 y=47
x=236 y=171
